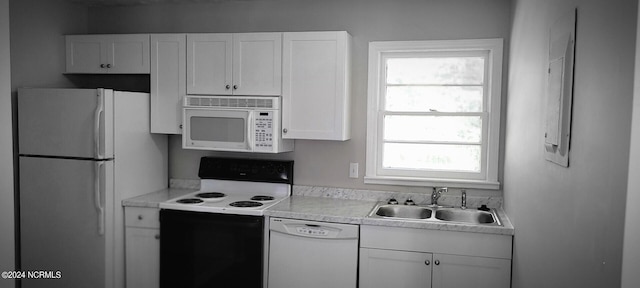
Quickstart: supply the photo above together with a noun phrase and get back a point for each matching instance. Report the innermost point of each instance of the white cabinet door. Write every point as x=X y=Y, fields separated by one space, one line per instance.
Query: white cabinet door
x=394 y=269
x=315 y=90
x=128 y=54
x=234 y=64
x=84 y=53
x=209 y=64
x=450 y=271
x=257 y=63
x=168 y=82
x=143 y=257
x=108 y=54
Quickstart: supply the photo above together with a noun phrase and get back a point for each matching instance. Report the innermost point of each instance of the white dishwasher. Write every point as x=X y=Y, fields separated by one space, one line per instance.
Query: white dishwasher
x=307 y=254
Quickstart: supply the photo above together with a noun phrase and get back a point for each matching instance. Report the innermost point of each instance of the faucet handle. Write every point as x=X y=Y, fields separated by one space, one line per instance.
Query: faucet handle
x=392 y=201
x=409 y=202
x=464 y=199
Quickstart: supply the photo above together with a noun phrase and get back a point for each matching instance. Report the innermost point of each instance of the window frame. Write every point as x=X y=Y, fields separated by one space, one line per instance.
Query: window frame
x=487 y=178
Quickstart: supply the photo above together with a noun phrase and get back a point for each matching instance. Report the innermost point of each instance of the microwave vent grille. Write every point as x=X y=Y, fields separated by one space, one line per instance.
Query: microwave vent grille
x=230 y=102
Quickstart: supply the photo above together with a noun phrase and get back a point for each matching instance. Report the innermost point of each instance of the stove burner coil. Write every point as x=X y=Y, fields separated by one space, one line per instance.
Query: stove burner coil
x=189 y=201
x=246 y=204
x=262 y=198
x=210 y=195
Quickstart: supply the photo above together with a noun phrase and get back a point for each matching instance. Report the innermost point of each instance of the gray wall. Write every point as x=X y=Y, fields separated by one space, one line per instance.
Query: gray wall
x=631 y=252
x=569 y=221
x=323 y=163
x=37 y=41
x=6 y=151
x=37 y=59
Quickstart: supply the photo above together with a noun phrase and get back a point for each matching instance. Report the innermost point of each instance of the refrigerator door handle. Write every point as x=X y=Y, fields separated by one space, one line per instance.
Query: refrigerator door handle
x=98 y=195
x=96 y=122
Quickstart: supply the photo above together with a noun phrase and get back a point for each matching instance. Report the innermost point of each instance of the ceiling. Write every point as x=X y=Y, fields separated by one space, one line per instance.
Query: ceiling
x=147 y=2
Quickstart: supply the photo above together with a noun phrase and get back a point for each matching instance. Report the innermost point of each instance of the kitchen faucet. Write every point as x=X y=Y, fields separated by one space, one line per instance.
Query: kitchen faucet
x=437 y=192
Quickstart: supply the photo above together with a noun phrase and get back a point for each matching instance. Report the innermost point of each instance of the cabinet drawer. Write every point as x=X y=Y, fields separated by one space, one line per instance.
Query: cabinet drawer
x=446 y=242
x=142 y=217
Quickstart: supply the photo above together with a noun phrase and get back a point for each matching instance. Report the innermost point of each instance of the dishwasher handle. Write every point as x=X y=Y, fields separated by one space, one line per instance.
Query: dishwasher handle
x=312 y=229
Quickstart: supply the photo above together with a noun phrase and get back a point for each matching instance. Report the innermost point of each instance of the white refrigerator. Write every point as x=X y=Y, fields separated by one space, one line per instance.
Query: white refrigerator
x=82 y=151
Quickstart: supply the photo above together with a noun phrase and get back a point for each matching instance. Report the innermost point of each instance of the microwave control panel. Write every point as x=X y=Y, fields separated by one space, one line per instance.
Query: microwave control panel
x=264 y=130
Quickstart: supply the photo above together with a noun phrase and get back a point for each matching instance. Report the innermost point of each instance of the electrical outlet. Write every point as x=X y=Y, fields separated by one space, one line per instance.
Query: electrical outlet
x=353 y=170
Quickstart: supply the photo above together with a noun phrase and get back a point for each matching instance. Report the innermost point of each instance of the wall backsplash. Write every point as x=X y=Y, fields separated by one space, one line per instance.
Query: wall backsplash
x=452 y=198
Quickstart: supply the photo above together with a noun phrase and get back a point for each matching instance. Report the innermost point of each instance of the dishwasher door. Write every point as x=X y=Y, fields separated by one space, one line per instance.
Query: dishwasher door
x=312 y=254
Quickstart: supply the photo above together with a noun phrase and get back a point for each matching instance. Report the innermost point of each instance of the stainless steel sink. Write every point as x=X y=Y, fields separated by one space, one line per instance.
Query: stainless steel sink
x=436 y=214
x=400 y=211
x=465 y=216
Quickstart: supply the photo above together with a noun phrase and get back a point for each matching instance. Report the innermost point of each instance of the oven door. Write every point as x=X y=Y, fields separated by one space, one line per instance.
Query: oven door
x=224 y=130
x=210 y=250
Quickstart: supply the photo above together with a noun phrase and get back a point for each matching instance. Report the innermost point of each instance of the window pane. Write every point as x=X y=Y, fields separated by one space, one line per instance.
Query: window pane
x=438 y=98
x=433 y=128
x=431 y=157
x=435 y=70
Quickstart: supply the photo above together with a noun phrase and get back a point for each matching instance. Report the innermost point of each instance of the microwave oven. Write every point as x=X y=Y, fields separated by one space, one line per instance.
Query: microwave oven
x=239 y=124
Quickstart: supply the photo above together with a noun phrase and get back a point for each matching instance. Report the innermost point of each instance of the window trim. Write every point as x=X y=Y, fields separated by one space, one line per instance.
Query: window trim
x=377 y=53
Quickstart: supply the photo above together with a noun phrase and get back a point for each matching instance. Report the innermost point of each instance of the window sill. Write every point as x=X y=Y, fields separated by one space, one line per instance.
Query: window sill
x=451 y=183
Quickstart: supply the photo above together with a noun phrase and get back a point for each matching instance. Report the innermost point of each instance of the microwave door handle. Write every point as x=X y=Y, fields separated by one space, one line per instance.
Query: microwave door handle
x=250 y=131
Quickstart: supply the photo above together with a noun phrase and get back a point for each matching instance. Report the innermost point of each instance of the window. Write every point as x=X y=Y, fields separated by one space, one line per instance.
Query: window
x=434 y=113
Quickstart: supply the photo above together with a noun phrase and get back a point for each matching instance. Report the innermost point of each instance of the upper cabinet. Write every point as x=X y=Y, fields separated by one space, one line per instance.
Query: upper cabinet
x=316 y=85
x=108 y=54
x=234 y=64
x=168 y=82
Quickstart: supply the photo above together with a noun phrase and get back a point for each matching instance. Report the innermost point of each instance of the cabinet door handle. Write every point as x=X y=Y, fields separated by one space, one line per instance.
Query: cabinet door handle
x=227 y=87
x=108 y=65
x=157 y=236
x=101 y=65
x=427 y=262
x=285 y=130
x=140 y=217
x=180 y=126
x=235 y=87
x=437 y=262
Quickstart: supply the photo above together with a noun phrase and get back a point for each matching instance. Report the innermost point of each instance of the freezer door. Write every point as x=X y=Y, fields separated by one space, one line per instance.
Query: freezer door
x=66 y=122
x=65 y=223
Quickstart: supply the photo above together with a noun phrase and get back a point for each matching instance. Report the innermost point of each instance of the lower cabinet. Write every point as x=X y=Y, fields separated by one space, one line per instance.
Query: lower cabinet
x=381 y=268
x=142 y=246
x=419 y=258
x=467 y=271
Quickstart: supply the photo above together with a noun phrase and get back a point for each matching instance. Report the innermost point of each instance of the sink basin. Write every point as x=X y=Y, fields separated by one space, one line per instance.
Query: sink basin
x=436 y=214
x=465 y=216
x=407 y=212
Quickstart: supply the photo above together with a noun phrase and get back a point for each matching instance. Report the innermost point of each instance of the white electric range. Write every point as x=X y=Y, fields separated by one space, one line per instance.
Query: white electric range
x=218 y=236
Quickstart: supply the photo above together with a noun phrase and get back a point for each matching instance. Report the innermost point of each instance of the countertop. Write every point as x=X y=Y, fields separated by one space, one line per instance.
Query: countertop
x=322 y=209
x=153 y=199
x=337 y=210
x=355 y=212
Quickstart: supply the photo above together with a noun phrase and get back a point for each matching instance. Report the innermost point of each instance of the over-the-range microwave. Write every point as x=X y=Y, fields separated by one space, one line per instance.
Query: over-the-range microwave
x=233 y=123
